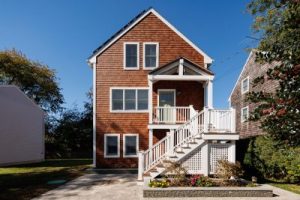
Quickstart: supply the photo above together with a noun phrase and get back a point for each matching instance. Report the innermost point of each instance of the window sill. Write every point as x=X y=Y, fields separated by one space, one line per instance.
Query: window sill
x=111 y=156
x=129 y=111
x=135 y=156
x=149 y=68
x=131 y=69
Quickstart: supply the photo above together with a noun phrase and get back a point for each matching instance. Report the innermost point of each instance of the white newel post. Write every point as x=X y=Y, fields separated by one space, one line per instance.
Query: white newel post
x=193 y=112
x=205 y=120
x=171 y=150
x=233 y=115
x=150 y=143
x=141 y=165
x=150 y=103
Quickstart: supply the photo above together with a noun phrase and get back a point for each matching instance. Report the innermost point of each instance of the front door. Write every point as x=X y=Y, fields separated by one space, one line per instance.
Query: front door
x=166 y=103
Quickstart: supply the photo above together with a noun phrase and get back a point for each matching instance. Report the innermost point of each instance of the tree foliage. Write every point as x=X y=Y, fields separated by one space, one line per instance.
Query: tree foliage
x=272 y=160
x=277 y=22
x=36 y=80
x=72 y=134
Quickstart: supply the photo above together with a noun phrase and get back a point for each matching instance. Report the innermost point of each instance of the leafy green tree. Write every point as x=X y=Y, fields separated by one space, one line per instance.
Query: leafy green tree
x=277 y=22
x=36 y=80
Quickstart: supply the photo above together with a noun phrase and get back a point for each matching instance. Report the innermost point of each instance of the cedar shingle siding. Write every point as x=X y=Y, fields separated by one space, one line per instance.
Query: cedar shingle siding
x=110 y=73
x=237 y=99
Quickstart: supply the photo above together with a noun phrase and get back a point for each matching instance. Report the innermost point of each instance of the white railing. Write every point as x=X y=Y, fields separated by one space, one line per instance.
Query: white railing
x=173 y=115
x=221 y=120
x=208 y=120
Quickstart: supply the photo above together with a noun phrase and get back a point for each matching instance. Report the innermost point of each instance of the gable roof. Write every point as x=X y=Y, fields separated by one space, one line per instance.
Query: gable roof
x=175 y=64
x=237 y=80
x=131 y=24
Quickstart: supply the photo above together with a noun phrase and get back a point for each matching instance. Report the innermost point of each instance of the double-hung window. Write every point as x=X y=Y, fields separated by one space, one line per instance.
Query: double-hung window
x=244 y=114
x=151 y=52
x=129 y=99
x=111 y=145
x=131 y=55
x=245 y=85
x=130 y=145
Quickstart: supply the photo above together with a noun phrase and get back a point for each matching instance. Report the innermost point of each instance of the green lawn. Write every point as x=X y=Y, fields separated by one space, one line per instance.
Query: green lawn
x=31 y=180
x=290 y=187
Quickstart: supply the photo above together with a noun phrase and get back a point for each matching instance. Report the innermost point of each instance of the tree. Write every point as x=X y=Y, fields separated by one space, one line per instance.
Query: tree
x=277 y=22
x=36 y=80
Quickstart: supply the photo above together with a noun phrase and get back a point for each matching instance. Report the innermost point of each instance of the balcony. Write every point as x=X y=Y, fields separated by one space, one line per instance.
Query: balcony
x=214 y=120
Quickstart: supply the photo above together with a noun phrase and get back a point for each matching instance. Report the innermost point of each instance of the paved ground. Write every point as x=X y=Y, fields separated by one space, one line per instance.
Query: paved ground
x=124 y=187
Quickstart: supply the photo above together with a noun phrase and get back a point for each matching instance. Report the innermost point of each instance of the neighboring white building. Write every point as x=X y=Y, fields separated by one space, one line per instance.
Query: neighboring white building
x=21 y=128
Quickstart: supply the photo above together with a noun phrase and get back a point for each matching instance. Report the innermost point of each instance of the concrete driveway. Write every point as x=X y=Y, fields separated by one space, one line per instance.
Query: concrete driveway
x=124 y=187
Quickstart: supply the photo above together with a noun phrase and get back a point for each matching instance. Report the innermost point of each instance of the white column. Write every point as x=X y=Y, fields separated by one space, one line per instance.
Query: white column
x=205 y=159
x=171 y=152
x=140 y=165
x=180 y=68
x=232 y=152
x=209 y=94
x=150 y=101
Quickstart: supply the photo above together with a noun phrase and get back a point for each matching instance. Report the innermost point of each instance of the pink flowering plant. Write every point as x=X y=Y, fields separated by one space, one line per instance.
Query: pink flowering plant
x=200 y=181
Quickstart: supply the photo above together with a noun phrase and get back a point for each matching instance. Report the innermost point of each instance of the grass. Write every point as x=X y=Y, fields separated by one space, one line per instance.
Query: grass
x=30 y=180
x=290 y=187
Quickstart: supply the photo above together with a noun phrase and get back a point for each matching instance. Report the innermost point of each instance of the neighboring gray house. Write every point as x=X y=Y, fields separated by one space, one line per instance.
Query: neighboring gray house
x=21 y=128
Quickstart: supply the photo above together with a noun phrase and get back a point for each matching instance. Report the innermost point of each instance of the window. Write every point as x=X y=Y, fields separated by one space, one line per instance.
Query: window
x=111 y=145
x=245 y=85
x=151 y=55
x=131 y=55
x=130 y=145
x=128 y=100
x=244 y=114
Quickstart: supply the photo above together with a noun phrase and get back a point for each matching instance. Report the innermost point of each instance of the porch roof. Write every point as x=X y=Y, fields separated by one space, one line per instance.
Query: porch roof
x=181 y=69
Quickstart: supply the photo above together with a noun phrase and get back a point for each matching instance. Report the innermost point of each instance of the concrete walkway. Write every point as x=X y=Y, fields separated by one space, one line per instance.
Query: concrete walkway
x=124 y=187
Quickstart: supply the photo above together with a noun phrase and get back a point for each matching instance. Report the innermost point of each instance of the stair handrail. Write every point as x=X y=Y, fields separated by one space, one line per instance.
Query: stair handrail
x=152 y=157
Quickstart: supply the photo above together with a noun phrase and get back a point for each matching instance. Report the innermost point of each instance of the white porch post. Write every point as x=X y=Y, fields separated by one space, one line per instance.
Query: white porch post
x=232 y=120
x=205 y=158
x=140 y=165
x=232 y=152
x=171 y=152
x=150 y=85
x=208 y=91
x=150 y=138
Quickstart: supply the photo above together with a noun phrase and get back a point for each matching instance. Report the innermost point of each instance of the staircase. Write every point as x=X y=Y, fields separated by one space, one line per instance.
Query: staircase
x=175 y=146
x=185 y=139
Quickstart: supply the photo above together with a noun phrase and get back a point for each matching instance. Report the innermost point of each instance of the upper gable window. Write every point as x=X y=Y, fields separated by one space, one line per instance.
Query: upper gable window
x=131 y=55
x=245 y=85
x=150 y=55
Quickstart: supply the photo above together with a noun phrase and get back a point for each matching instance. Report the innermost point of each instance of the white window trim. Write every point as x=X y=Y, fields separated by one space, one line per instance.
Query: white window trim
x=137 y=145
x=144 y=55
x=138 y=56
x=105 y=150
x=127 y=111
x=243 y=92
x=166 y=90
x=246 y=107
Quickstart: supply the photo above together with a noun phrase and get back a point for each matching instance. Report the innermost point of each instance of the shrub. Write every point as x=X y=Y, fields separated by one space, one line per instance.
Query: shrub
x=161 y=184
x=273 y=160
x=200 y=181
x=177 y=174
x=226 y=169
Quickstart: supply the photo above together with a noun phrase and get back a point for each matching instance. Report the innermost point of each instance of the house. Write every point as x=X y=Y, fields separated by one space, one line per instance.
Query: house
x=21 y=128
x=243 y=85
x=153 y=101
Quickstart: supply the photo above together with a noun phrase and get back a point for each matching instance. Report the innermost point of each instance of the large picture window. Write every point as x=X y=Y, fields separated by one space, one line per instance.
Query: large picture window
x=111 y=145
x=131 y=55
x=130 y=145
x=128 y=100
x=150 y=55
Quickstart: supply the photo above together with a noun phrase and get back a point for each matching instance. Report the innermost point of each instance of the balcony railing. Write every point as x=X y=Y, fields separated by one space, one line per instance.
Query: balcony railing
x=220 y=120
x=173 y=115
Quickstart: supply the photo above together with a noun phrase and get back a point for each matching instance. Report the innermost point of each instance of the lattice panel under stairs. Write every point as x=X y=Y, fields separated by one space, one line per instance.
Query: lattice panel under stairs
x=192 y=162
x=217 y=152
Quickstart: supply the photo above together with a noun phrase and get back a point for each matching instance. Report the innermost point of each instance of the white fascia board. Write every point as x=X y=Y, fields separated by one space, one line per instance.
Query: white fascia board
x=207 y=59
x=240 y=74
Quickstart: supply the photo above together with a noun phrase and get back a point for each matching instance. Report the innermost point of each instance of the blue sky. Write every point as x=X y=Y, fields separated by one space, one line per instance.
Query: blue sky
x=63 y=33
